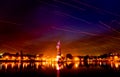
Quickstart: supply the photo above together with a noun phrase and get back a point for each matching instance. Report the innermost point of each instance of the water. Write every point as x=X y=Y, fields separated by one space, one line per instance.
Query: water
x=53 y=69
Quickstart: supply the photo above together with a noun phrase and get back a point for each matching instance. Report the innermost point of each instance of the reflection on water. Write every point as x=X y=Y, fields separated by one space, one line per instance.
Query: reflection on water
x=55 y=65
x=61 y=68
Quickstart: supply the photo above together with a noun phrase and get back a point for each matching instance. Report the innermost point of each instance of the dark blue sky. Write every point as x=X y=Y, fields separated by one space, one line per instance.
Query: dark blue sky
x=36 y=25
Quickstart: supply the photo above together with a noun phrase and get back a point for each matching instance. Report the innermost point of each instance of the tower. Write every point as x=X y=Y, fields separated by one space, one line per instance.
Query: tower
x=58 y=46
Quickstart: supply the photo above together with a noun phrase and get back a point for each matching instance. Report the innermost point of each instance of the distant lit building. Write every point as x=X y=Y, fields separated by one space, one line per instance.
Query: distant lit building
x=17 y=57
x=114 y=57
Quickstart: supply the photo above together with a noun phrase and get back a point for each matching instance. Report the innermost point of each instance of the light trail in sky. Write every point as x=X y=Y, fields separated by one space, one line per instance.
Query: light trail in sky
x=116 y=38
x=47 y=3
x=68 y=4
x=9 y=22
x=74 y=17
x=96 y=8
x=118 y=23
x=74 y=31
x=6 y=46
x=65 y=14
x=70 y=29
x=109 y=27
x=103 y=27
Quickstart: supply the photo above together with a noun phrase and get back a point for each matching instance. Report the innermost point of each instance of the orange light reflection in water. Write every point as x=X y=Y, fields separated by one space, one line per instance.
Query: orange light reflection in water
x=55 y=65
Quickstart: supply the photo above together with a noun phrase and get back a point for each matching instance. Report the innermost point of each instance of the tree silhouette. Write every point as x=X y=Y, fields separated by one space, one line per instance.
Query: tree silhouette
x=69 y=56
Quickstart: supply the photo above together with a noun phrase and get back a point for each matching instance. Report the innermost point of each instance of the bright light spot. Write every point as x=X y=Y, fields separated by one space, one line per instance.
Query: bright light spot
x=76 y=65
x=100 y=63
x=43 y=59
x=43 y=63
x=6 y=66
x=6 y=57
x=76 y=59
x=1 y=54
x=13 y=58
x=19 y=58
x=37 y=64
x=13 y=65
x=58 y=57
x=82 y=63
x=57 y=67
x=115 y=57
x=116 y=65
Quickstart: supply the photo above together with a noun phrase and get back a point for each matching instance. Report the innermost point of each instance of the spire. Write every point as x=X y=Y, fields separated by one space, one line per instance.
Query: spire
x=58 y=48
x=58 y=45
x=58 y=42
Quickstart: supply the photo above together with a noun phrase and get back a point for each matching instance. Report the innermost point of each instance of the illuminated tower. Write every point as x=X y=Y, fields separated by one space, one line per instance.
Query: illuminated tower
x=58 y=51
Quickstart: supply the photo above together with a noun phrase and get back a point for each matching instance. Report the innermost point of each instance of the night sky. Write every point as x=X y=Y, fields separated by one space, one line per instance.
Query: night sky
x=84 y=27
